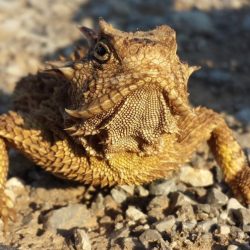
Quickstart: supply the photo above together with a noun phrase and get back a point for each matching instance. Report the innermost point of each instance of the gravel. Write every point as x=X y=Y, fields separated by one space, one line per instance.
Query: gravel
x=196 y=177
x=216 y=197
x=166 y=224
x=134 y=213
x=74 y=215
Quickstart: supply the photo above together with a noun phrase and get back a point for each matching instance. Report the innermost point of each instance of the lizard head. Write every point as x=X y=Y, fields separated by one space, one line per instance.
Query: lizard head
x=118 y=63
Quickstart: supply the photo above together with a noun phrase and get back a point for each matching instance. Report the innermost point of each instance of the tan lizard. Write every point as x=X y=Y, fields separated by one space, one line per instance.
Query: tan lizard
x=118 y=115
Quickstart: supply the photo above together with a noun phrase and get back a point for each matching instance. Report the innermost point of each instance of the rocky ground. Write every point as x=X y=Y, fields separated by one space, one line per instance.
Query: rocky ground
x=166 y=214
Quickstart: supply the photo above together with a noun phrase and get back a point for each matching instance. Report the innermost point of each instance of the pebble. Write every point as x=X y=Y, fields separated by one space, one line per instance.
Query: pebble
x=74 y=215
x=185 y=212
x=246 y=228
x=188 y=225
x=224 y=229
x=152 y=236
x=161 y=202
x=98 y=206
x=118 y=195
x=162 y=187
x=129 y=189
x=196 y=177
x=141 y=191
x=233 y=204
x=14 y=183
x=242 y=216
x=206 y=226
x=199 y=208
x=215 y=196
x=120 y=233
x=166 y=224
x=234 y=247
x=131 y=243
x=157 y=206
x=141 y=228
x=81 y=240
x=134 y=214
x=179 y=199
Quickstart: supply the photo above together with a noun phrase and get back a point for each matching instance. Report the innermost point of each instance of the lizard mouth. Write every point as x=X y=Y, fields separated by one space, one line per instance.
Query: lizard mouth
x=103 y=104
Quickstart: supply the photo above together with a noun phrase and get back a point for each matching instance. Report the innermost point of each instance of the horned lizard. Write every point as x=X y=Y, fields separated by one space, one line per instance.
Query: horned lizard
x=118 y=115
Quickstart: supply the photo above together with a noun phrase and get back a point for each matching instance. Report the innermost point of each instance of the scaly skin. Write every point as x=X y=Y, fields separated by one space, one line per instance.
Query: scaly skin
x=129 y=120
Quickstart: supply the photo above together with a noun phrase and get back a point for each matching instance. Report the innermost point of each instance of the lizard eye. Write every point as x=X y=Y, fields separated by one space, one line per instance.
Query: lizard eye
x=101 y=52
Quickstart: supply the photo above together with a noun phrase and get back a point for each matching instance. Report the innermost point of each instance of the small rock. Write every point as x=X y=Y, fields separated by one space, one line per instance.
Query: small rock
x=166 y=224
x=196 y=177
x=141 y=191
x=237 y=233
x=242 y=216
x=156 y=207
x=134 y=214
x=15 y=183
x=118 y=226
x=224 y=229
x=224 y=216
x=81 y=240
x=206 y=226
x=200 y=208
x=132 y=243
x=188 y=225
x=110 y=203
x=151 y=236
x=118 y=195
x=161 y=202
x=233 y=247
x=5 y=247
x=185 y=213
x=129 y=189
x=162 y=187
x=98 y=206
x=246 y=228
x=123 y=232
x=74 y=215
x=215 y=196
x=105 y=220
x=244 y=115
x=233 y=204
x=140 y=228
x=179 y=199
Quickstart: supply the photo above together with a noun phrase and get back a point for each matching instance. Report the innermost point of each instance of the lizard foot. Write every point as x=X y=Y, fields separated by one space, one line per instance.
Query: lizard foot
x=241 y=185
x=7 y=210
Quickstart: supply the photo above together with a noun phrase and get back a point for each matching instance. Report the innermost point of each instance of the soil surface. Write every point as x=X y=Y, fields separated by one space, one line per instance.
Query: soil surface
x=166 y=214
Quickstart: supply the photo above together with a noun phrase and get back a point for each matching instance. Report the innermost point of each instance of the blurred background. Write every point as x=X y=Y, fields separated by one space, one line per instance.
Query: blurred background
x=214 y=34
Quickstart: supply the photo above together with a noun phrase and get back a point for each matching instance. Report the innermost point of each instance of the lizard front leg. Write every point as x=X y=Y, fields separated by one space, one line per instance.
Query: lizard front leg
x=209 y=126
x=49 y=150
x=6 y=204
